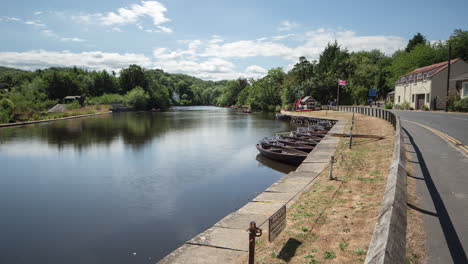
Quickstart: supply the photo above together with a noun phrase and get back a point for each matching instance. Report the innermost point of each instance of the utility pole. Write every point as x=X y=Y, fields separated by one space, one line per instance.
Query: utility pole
x=448 y=78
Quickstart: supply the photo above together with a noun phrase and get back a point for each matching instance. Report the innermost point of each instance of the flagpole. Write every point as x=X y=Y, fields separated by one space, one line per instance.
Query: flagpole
x=338 y=95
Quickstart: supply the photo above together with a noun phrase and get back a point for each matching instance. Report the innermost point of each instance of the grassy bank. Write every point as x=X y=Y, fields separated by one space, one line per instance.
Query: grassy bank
x=333 y=221
x=86 y=110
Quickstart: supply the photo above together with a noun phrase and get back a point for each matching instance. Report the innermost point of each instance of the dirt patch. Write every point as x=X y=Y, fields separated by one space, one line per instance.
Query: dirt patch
x=333 y=221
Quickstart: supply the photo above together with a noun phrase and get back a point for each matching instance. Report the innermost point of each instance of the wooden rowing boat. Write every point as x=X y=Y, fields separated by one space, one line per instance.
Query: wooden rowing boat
x=286 y=155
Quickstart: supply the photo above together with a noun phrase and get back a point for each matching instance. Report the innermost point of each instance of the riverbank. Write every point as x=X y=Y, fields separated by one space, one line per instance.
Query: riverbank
x=67 y=114
x=333 y=221
x=52 y=119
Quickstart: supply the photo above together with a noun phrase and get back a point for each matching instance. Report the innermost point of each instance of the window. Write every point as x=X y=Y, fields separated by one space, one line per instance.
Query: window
x=412 y=98
x=425 y=76
x=398 y=99
x=464 y=90
x=415 y=77
x=428 y=96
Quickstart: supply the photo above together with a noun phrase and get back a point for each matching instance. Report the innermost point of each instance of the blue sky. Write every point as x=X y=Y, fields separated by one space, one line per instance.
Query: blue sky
x=211 y=39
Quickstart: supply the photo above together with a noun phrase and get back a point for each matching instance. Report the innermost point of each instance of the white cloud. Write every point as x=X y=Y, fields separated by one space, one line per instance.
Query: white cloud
x=36 y=23
x=117 y=29
x=72 y=39
x=131 y=15
x=165 y=29
x=94 y=60
x=7 y=18
x=287 y=25
x=256 y=69
x=210 y=58
x=52 y=34
x=38 y=13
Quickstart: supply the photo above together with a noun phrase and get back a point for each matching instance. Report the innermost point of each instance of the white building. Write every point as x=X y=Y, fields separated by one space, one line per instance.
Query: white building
x=428 y=85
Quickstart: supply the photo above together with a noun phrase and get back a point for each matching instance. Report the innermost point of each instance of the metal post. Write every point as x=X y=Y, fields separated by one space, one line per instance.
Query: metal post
x=448 y=78
x=330 y=171
x=351 y=133
x=338 y=96
x=254 y=231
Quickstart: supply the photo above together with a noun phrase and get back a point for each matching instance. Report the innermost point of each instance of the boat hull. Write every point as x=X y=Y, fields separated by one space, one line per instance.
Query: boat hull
x=293 y=158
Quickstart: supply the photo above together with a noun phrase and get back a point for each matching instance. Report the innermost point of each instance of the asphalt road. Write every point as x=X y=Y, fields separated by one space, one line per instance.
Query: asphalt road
x=441 y=171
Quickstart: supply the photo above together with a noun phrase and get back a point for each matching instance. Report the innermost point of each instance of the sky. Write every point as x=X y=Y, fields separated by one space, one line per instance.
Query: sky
x=209 y=39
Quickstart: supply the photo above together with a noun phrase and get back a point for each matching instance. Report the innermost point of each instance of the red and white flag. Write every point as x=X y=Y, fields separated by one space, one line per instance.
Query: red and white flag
x=342 y=82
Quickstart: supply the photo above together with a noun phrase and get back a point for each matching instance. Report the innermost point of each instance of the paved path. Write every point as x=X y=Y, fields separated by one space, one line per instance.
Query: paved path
x=441 y=169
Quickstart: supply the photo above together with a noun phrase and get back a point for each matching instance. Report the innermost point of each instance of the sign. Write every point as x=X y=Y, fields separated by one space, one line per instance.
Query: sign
x=276 y=223
x=372 y=92
x=342 y=82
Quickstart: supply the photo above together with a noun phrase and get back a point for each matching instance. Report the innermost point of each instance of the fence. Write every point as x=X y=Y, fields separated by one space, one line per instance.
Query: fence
x=388 y=244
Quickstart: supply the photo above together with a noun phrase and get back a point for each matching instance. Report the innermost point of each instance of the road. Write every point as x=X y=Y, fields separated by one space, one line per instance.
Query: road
x=441 y=170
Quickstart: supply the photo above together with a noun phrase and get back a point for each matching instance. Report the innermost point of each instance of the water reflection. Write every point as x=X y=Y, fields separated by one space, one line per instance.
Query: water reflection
x=97 y=189
x=275 y=165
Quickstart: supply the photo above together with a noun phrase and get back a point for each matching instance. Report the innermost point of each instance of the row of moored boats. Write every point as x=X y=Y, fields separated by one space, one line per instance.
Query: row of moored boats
x=293 y=147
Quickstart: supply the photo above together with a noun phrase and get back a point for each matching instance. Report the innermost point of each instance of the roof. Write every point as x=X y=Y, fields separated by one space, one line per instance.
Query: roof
x=72 y=97
x=432 y=69
x=305 y=99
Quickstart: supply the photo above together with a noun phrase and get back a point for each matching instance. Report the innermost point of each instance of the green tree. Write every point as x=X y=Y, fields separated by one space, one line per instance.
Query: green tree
x=137 y=98
x=132 y=77
x=459 y=42
x=416 y=40
x=6 y=110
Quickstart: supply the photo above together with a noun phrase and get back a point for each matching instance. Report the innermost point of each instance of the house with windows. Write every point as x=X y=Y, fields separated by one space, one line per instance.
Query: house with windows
x=428 y=85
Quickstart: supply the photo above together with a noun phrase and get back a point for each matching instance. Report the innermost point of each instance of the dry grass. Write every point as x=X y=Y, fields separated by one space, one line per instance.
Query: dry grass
x=86 y=110
x=334 y=220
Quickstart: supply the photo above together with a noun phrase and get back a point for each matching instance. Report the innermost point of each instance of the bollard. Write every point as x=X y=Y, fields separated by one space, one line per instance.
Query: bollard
x=330 y=171
x=254 y=232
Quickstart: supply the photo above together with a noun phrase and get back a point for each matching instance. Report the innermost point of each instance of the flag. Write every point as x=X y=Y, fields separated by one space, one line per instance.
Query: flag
x=342 y=82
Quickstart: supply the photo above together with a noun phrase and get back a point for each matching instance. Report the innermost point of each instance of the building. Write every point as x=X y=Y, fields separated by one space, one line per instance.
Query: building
x=306 y=103
x=72 y=98
x=428 y=85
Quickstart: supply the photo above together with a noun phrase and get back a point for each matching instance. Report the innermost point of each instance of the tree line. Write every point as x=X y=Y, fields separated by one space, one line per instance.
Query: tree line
x=29 y=92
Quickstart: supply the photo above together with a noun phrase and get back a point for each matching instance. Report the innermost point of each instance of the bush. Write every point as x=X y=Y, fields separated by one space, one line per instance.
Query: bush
x=107 y=99
x=137 y=98
x=424 y=107
x=388 y=105
x=6 y=110
x=73 y=105
x=403 y=106
x=461 y=105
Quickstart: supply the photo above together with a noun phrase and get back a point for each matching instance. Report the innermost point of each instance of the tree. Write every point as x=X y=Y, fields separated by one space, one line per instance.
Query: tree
x=137 y=98
x=132 y=77
x=459 y=42
x=416 y=40
x=6 y=110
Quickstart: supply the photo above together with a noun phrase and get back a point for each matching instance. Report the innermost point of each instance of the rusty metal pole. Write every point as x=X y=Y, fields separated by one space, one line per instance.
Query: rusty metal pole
x=330 y=171
x=254 y=231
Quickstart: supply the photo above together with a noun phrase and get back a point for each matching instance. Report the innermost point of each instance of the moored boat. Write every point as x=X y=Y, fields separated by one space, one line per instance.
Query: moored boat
x=286 y=155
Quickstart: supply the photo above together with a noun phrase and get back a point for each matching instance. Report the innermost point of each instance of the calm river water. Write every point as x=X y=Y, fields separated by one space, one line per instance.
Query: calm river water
x=128 y=187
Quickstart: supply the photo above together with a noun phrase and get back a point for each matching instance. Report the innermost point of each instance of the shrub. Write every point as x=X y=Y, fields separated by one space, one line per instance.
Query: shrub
x=461 y=105
x=6 y=110
x=73 y=105
x=137 y=98
x=424 y=107
x=107 y=99
x=403 y=106
x=388 y=105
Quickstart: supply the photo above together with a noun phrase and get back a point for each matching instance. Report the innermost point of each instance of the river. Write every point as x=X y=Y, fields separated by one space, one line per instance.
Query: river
x=127 y=187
